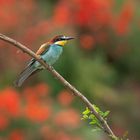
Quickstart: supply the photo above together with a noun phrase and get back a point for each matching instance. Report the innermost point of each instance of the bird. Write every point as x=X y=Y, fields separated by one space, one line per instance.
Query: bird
x=49 y=52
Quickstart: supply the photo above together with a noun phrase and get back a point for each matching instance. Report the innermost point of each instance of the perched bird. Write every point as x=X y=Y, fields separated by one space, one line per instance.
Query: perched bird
x=49 y=52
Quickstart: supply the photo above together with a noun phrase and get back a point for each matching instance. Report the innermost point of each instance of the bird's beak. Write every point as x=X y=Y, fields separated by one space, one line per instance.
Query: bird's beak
x=68 y=38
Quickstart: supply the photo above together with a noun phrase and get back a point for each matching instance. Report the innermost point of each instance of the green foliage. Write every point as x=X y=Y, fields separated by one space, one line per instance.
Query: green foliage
x=87 y=115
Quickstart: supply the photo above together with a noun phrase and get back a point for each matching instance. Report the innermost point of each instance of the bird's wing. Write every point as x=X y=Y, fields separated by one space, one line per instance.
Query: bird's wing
x=29 y=63
x=43 y=48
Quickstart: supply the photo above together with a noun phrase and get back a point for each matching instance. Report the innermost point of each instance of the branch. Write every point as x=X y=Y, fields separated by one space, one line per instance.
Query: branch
x=103 y=122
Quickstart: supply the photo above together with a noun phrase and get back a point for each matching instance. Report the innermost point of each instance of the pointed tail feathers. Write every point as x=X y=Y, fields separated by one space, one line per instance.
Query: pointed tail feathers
x=24 y=75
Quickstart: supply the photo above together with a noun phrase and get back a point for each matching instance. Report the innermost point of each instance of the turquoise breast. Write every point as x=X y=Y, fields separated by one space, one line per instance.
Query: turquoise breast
x=52 y=55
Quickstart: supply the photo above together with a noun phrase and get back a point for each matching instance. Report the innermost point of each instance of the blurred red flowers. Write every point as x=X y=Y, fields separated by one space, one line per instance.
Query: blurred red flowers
x=37 y=112
x=9 y=102
x=65 y=98
x=4 y=122
x=123 y=21
x=16 y=135
x=67 y=118
x=34 y=105
x=33 y=108
x=94 y=22
x=87 y=41
x=61 y=14
x=93 y=12
x=49 y=133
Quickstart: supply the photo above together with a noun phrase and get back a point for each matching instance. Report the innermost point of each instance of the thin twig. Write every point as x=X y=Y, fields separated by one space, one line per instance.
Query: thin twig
x=77 y=93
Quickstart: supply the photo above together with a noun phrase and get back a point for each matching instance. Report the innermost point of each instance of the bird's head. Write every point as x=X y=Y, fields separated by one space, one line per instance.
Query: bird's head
x=61 y=40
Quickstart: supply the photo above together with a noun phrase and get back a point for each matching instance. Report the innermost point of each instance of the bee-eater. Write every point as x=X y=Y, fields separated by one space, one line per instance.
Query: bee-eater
x=49 y=52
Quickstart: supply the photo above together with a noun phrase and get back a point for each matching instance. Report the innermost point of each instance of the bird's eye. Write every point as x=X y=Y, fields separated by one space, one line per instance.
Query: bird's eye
x=59 y=39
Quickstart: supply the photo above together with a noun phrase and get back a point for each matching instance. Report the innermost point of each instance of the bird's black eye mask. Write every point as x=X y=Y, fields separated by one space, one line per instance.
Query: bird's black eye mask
x=59 y=38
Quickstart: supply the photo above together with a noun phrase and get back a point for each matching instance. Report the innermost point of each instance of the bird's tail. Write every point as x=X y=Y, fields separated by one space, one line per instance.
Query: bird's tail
x=24 y=75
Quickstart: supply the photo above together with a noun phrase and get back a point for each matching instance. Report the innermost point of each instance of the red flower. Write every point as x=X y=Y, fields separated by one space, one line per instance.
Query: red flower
x=10 y=102
x=34 y=94
x=35 y=32
x=16 y=135
x=65 y=98
x=87 y=41
x=122 y=24
x=68 y=118
x=30 y=95
x=93 y=12
x=61 y=14
x=63 y=136
x=37 y=112
x=42 y=89
x=3 y=121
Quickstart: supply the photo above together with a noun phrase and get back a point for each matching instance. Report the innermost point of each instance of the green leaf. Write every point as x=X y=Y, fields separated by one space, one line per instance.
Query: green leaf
x=87 y=111
x=85 y=116
x=105 y=114
x=96 y=108
x=92 y=122
x=91 y=116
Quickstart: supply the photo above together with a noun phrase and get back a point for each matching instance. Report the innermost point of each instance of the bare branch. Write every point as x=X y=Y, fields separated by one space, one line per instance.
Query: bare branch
x=103 y=122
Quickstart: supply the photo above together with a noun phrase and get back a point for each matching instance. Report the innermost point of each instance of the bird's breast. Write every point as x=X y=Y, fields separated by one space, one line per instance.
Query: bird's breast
x=52 y=54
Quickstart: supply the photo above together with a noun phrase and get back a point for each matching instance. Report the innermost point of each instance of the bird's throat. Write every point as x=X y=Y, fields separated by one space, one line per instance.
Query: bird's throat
x=61 y=43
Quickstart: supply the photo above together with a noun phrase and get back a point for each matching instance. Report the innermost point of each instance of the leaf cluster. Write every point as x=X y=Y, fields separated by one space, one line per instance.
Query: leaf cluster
x=88 y=115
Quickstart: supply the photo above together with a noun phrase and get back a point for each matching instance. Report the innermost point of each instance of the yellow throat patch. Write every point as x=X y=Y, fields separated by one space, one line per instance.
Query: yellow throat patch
x=61 y=43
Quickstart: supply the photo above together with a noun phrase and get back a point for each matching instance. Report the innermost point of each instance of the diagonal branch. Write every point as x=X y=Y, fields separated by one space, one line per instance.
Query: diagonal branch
x=77 y=93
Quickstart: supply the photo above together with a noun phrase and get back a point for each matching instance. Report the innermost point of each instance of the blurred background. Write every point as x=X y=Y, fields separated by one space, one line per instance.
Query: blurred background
x=103 y=62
